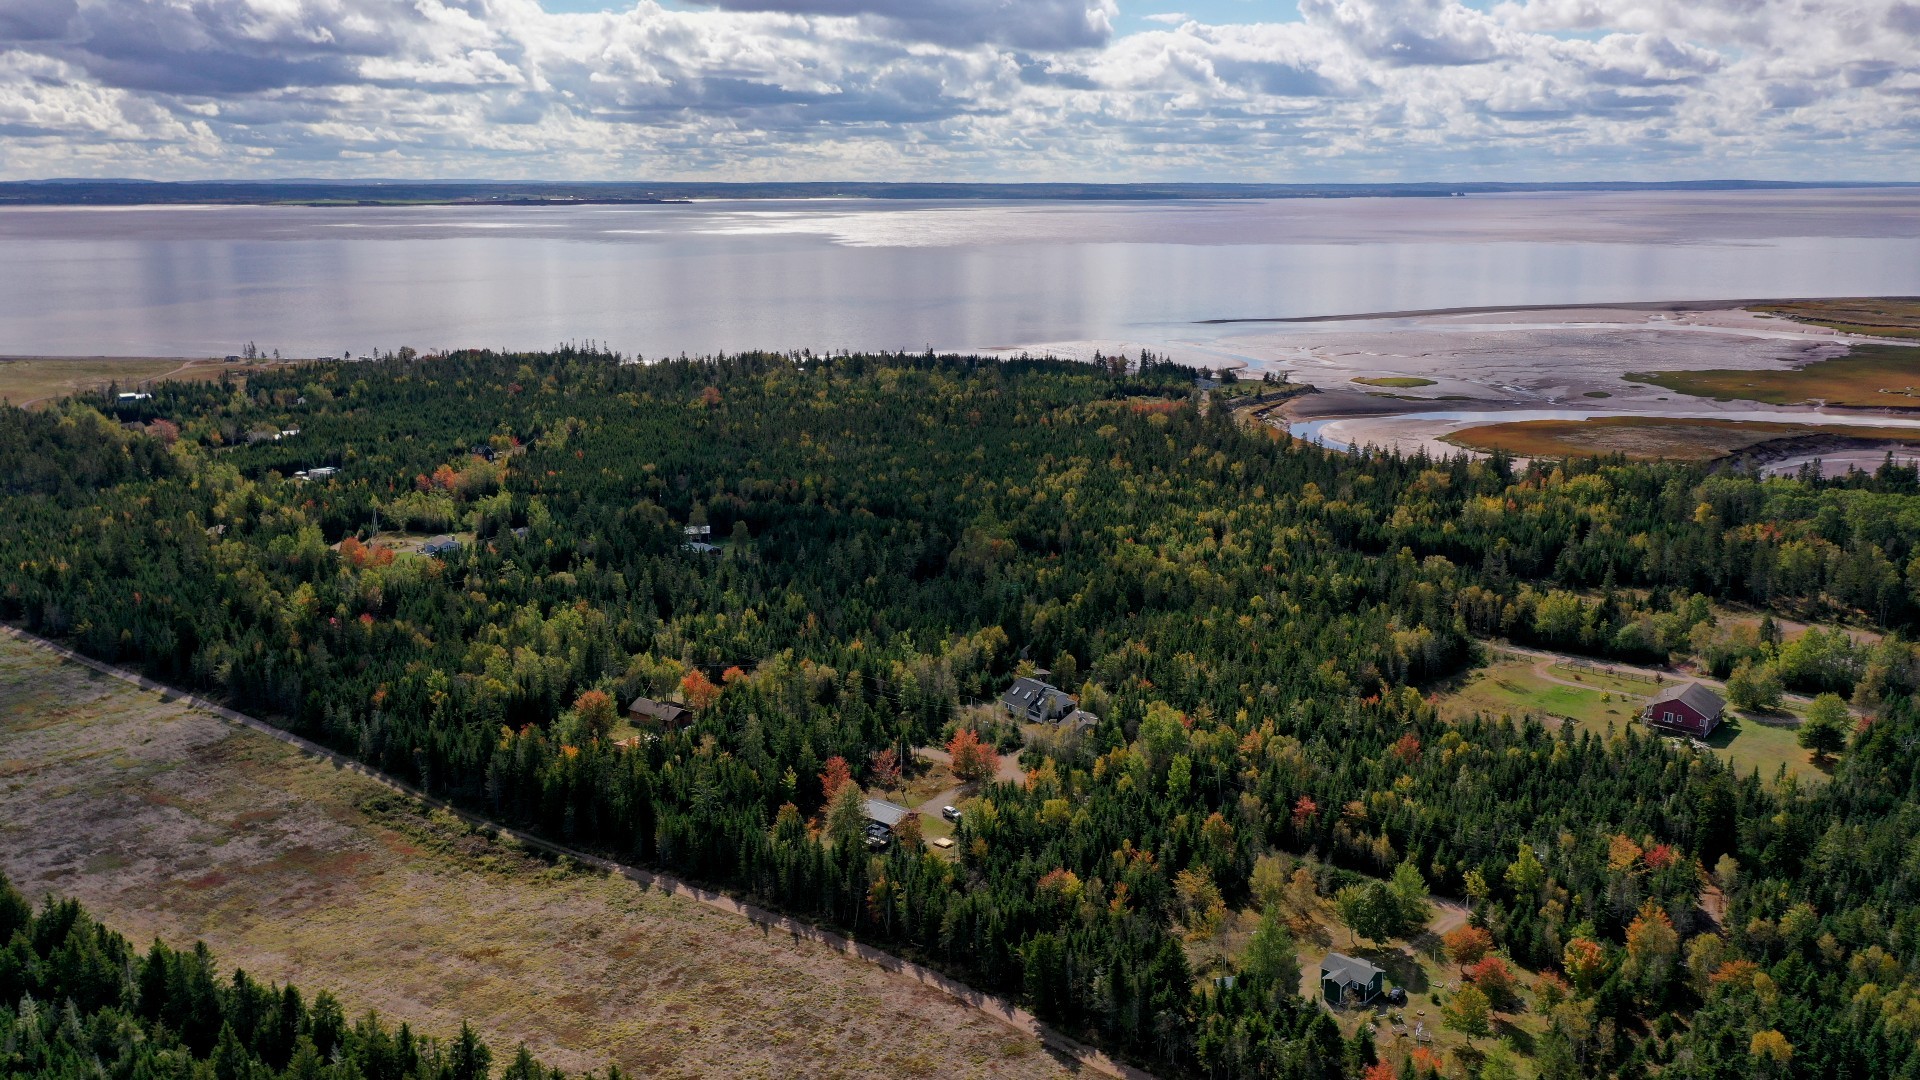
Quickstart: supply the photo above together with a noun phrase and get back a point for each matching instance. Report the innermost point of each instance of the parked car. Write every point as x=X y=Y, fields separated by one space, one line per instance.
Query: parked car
x=950 y=813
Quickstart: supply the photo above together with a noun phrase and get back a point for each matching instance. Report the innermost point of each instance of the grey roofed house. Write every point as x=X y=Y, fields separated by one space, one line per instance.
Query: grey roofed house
x=1036 y=702
x=440 y=545
x=889 y=814
x=1345 y=978
x=1080 y=718
x=666 y=712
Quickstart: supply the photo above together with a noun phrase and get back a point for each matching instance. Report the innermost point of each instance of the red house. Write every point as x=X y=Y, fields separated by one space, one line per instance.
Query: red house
x=1689 y=709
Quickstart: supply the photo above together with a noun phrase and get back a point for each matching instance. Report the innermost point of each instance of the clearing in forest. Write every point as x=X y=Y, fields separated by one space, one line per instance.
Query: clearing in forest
x=38 y=380
x=1554 y=691
x=169 y=822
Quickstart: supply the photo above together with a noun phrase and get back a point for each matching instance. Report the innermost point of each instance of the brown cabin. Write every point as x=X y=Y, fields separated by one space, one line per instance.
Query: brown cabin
x=1689 y=709
x=647 y=712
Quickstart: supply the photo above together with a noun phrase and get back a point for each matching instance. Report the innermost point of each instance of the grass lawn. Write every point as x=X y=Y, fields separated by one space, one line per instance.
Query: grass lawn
x=1511 y=687
x=1616 y=681
x=1750 y=744
x=1648 y=438
x=1870 y=376
x=1400 y=382
x=168 y=822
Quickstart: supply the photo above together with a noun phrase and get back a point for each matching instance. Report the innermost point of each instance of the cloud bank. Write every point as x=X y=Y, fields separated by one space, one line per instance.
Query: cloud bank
x=960 y=89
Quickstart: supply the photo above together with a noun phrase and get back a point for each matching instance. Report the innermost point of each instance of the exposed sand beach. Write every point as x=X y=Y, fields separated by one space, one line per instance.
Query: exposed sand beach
x=1444 y=371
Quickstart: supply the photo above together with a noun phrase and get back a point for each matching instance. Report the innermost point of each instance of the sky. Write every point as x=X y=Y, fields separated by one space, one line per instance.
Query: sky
x=1019 y=90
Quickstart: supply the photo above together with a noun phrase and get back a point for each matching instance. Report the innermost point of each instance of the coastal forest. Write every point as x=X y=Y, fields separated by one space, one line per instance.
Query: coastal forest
x=833 y=560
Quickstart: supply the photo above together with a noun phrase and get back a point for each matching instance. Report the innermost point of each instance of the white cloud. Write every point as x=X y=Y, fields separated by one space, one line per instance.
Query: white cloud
x=952 y=89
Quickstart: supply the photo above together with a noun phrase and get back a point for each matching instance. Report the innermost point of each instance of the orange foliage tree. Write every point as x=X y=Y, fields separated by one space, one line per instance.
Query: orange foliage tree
x=698 y=690
x=1586 y=964
x=885 y=769
x=837 y=775
x=595 y=709
x=973 y=760
x=360 y=556
x=1467 y=945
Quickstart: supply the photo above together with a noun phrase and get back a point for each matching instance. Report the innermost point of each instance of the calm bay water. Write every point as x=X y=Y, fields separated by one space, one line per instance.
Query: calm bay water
x=717 y=276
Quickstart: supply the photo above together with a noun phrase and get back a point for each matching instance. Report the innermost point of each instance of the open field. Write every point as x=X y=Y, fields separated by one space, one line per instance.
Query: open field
x=167 y=821
x=1652 y=437
x=36 y=380
x=1520 y=686
x=1511 y=686
x=1869 y=377
x=1882 y=317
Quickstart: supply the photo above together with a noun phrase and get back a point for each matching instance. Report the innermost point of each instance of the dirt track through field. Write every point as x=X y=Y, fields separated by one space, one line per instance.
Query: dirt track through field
x=170 y=816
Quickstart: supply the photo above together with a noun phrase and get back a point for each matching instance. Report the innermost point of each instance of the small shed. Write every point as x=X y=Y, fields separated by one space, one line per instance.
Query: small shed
x=1036 y=702
x=886 y=814
x=1689 y=708
x=1345 y=980
x=672 y=715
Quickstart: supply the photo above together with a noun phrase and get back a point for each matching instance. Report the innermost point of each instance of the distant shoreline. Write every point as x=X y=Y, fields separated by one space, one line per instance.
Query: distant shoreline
x=129 y=192
x=1497 y=309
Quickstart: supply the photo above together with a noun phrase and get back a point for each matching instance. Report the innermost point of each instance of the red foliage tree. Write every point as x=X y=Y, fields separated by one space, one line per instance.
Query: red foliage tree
x=1407 y=749
x=1303 y=810
x=1493 y=977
